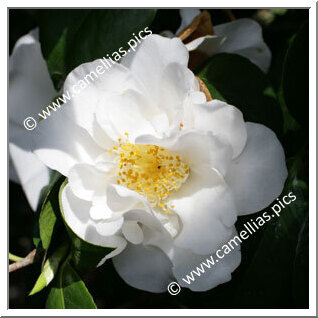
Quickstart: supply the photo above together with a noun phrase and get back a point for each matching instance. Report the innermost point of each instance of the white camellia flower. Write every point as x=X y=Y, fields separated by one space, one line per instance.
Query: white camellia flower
x=242 y=36
x=30 y=90
x=154 y=170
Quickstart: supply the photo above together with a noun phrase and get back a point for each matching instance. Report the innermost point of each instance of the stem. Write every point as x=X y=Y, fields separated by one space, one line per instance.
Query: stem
x=28 y=260
x=15 y=258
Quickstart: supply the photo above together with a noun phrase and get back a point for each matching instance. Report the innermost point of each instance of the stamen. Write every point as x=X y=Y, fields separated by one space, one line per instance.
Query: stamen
x=152 y=171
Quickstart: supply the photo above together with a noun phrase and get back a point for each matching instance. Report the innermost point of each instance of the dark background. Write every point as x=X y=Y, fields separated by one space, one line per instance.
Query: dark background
x=106 y=287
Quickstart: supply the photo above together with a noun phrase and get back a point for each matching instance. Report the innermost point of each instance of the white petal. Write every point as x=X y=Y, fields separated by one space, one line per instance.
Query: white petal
x=132 y=232
x=258 y=175
x=187 y=16
x=33 y=174
x=184 y=262
x=244 y=37
x=76 y=214
x=61 y=144
x=122 y=199
x=85 y=181
x=174 y=88
x=207 y=211
x=13 y=176
x=100 y=212
x=163 y=51
x=30 y=86
x=144 y=267
x=30 y=90
x=197 y=148
x=108 y=228
x=221 y=119
x=108 y=80
x=128 y=112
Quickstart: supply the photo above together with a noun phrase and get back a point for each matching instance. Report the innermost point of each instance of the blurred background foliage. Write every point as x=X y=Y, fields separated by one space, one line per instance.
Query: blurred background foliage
x=274 y=268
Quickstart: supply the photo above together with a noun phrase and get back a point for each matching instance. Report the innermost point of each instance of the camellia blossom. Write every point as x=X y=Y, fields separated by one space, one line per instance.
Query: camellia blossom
x=154 y=170
x=241 y=36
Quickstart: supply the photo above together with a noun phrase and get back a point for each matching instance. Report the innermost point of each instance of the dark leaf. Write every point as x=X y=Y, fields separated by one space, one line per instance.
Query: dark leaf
x=69 y=291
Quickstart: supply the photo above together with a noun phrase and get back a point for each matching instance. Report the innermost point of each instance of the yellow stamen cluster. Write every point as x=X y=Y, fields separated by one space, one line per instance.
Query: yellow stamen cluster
x=152 y=171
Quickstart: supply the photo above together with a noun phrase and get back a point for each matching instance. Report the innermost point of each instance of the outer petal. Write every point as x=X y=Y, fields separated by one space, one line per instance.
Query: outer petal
x=184 y=261
x=258 y=175
x=244 y=37
x=221 y=119
x=144 y=267
x=30 y=90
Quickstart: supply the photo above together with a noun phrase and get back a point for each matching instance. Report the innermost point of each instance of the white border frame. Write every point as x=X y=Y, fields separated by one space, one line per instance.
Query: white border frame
x=312 y=164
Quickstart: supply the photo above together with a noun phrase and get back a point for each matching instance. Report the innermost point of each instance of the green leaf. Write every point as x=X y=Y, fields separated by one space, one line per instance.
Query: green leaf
x=72 y=37
x=49 y=213
x=69 y=291
x=84 y=255
x=237 y=81
x=50 y=268
x=295 y=81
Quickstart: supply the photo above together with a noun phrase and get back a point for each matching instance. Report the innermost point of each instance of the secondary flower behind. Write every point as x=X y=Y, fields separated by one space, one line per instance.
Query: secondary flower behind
x=156 y=171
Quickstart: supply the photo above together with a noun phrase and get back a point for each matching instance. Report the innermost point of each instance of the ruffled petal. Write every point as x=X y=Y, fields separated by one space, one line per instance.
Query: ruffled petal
x=61 y=144
x=221 y=119
x=132 y=232
x=197 y=148
x=77 y=216
x=87 y=83
x=258 y=175
x=207 y=211
x=155 y=48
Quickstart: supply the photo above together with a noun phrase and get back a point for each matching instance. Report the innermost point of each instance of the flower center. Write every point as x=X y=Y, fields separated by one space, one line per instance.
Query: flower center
x=152 y=171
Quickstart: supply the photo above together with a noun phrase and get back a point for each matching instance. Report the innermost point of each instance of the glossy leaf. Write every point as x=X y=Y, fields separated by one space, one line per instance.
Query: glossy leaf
x=49 y=213
x=50 y=268
x=69 y=291
x=72 y=37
